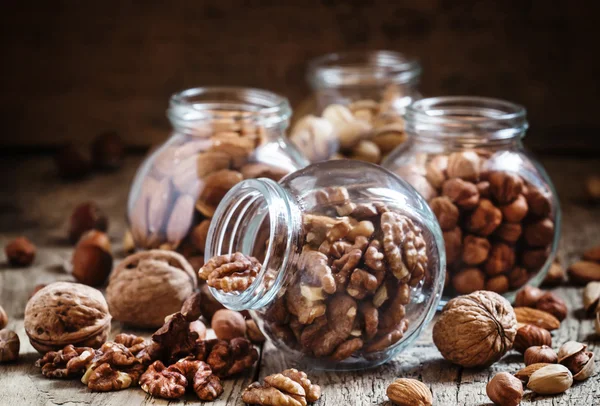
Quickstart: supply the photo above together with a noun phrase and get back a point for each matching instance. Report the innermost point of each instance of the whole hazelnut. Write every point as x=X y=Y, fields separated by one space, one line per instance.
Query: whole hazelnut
x=108 y=151
x=509 y=232
x=208 y=304
x=453 y=244
x=464 y=165
x=421 y=185
x=530 y=335
x=518 y=277
x=501 y=259
x=475 y=250
x=92 y=259
x=463 y=194
x=592 y=188
x=198 y=327
x=485 y=219
x=505 y=389
x=20 y=252
x=228 y=324
x=72 y=163
x=540 y=353
x=535 y=259
x=505 y=186
x=198 y=235
x=538 y=202
x=528 y=296
x=9 y=346
x=468 y=280
x=3 y=318
x=445 y=211
x=539 y=233
x=498 y=284
x=515 y=211
x=551 y=303
x=436 y=170
x=483 y=188
x=86 y=216
x=253 y=332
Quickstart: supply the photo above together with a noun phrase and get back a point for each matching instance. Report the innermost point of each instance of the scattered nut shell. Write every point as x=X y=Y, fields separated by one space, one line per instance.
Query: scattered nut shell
x=409 y=392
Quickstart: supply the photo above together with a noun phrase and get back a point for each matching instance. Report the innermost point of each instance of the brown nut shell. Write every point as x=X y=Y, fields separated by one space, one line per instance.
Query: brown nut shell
x=504 y=389
x=542 y=353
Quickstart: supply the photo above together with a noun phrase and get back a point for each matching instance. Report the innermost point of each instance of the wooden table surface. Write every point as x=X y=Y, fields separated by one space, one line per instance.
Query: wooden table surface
x=35 y=203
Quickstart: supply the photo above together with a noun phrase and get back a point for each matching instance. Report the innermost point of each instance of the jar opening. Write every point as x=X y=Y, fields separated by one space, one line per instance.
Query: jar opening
x=363 y=68
x=235 y=104
x=466 y=118
x=256 y=218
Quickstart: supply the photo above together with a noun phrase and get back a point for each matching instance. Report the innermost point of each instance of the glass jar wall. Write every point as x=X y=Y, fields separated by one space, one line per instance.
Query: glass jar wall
x=360 y=98
x=221 y=136
x=496 y=205
x=353 y=266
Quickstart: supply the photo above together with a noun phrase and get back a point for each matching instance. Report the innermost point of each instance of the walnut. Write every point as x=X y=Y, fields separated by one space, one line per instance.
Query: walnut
x=148 y=286
x=374 y=256
x=174 y=339
x=161 y=382
x=105 y=379
x=133 y=343
x=305 y=302
x=475 y=250
x=67 y=313
x=485 y=219
x=464 y=165
x=208 y=304
x=464 y=194
x=505 y=186
x=230 y=272
x=387 y=338
x=317 y=271
x=445 y=211
x=341 y=312
x=230 y=358
x=288 y=388
x=206 y=385
x=370 y=316
x=66 y=363
x=475 y=330
x=343 y=267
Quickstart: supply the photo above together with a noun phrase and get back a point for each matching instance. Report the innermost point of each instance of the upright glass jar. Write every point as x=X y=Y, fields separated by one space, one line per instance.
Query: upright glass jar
x=353 y=266
x=221 y=136
x=360 y=99
x=496 y=205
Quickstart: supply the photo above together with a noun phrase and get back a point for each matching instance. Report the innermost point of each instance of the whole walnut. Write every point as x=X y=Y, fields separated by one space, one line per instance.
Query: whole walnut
x=475 y=330
x=65 y=313
x=148 y=286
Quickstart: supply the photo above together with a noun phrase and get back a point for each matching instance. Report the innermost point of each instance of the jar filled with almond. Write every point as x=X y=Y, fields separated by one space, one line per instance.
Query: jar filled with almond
x=356 y=111
x=496 y=205
x=221 y=136
x=340 y=263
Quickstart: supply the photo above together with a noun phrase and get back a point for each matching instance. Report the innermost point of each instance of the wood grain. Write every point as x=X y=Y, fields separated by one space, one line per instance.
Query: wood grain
x=35 y=203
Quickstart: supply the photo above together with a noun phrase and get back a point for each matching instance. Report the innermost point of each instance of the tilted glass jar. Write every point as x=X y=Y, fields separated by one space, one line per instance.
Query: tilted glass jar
x=352 y=270
x=360 y=99
x=221 y=136
x=496 y=205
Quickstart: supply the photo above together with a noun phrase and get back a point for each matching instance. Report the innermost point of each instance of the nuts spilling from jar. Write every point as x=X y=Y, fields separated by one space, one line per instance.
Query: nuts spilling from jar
x=498 y=228
x=290 y=388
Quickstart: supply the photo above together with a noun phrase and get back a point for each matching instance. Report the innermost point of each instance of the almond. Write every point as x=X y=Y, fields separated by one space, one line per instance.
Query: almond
x=409 y=392
x=583 y=272
x=525 y=373
x=540 y=318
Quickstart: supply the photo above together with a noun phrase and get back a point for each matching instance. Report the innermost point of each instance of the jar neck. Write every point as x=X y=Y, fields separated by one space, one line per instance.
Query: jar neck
x=466 y=122
x=255 y=213
x=202 y=111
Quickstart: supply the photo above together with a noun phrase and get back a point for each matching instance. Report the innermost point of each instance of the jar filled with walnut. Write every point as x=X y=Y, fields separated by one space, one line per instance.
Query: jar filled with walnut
x=359 y=99
x=221 y=136
x=496 y=205
x=340 y=263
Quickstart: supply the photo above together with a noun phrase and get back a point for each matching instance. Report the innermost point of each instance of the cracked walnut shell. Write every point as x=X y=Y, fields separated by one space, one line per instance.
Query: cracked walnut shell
x=148 y=286
x=475 y=330
x=67 y=313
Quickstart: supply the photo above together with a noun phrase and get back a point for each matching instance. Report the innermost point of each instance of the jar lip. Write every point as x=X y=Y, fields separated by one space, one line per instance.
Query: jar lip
x=466 y=117
x=379 y=67
x=240 y=104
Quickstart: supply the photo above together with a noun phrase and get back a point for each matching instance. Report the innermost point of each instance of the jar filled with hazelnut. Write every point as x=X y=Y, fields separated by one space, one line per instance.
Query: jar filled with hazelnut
x=220 y=137
x=496 y=205
x=359 y=99
x=340 y=263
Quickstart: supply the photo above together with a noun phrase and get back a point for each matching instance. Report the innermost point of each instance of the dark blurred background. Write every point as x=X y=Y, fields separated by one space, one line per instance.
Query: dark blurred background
x=72 y=69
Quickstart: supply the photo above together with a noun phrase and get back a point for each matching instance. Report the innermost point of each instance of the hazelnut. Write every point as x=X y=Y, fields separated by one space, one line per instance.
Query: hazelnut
x=198 y=235
x=92 y=259
x=498 y=284
x=475 y=250
x=108 y=151
x=20 y=252
x=228 y=324
x=464 y=165
x=453 y=244
x=539 y=233
x=36 y=289
x=551 y=303
x=484 y=189
x=445 y=211
x=539 y=203
x=366 y=151
x=528 y=296
x=3 y=318
x=518 y=277
x=535 y=259
x=436 y=170
x=253 y=332
x=529 y=335
x=543 y=353
x=86 y=216
x=509 y=232
x=421 y=185
x=485 y=219
x=72 y=163
x=592 y=188
x=505 y=389
x=505 y=186
x=468 y=281
x=198 y=327
x=9 y=346
x=463 y=194
x=555 y=275
x=515 y=211
x=501 y=259
x=208 y=304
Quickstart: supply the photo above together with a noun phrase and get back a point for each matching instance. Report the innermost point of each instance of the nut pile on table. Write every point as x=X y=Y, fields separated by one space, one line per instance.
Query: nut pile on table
x=366 y=130
x=498 y=229
x=351 y=284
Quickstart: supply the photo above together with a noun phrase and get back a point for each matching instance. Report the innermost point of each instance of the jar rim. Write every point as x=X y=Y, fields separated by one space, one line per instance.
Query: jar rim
x=239 y=104
x=351 y=68
x=466 y=118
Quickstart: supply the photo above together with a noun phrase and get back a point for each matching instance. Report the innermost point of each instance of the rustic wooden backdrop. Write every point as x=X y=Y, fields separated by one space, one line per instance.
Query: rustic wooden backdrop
x=71 y=69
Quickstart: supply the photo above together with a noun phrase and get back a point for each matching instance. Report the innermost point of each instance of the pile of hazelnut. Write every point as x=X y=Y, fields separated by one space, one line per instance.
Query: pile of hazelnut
x=498 y=228
x=351 y=282
x=366 y=130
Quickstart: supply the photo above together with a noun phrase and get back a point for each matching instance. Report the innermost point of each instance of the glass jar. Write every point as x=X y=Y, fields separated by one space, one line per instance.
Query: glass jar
x=221 y=136
x=352 y=270
x=496 y=205
x=360 y=99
